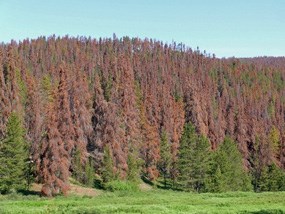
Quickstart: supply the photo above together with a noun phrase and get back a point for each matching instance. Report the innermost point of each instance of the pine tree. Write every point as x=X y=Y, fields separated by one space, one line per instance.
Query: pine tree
x=5 y=106
x=276 y=178
x=194 y=160
x=165 y=157
x=54 y=165
x=134 y=167
x=65 y=125
x=13 y=156
x=81 y=118
x=77 y=166
x=214 y=182
x=89 y=175
x=274 y=142
x=108 y=166
x=229 y=160
x=271 y=178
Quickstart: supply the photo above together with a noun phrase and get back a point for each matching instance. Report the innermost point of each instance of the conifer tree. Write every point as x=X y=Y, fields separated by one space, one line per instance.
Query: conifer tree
x=81 y=118
x=228 y=160
x=54 y=166
x=214 y=182
x=271 y=178
x=13 y=156
x=194 y=160
x=165 y=157
x=134 y=165
x=108 y=166
x=89 y=176
x=65 y=125
x=4 y=103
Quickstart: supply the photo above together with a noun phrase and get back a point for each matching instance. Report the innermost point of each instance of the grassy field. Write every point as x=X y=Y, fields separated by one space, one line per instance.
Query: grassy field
x=153 y=201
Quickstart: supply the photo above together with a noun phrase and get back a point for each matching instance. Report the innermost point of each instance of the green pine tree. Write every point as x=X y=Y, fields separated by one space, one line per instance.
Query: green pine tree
x=165 y=157
x=89 y=173
x=215 y=181
x=77 y=167
x=13 y=156
x=233 y=175
x=107 y=171
x=133 y=167
x=194 y=160
x=272 y=178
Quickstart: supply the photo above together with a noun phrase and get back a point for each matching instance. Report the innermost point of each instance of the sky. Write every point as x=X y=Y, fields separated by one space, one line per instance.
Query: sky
x=226 y=28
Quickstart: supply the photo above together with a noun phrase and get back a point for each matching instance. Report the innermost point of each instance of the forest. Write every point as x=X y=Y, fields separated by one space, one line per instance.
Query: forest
x=110 y=110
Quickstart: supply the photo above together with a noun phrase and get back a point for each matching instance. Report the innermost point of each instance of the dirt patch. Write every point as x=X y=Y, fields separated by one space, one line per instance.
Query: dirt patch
x=145 y=187
x=74 y=190
x=83 y=191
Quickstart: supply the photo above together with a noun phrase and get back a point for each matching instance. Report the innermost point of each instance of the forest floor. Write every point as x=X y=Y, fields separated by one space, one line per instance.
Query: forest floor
x=147 y=200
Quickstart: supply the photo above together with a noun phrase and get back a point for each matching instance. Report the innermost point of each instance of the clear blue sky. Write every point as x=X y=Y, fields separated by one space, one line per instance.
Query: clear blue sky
x=241 y=28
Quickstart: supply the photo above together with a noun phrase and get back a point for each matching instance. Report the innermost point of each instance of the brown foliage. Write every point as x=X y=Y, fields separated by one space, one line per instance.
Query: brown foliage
x=54 y=166
x=124 y=92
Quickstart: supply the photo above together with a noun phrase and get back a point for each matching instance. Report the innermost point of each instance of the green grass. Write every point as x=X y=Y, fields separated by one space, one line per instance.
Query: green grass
x=154 y=201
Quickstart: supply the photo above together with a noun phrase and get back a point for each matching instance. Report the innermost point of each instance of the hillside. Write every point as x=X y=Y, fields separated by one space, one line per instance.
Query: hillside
x=82 y=100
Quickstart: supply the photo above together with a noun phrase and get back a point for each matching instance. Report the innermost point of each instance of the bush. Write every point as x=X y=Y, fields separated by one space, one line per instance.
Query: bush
x=121 y=186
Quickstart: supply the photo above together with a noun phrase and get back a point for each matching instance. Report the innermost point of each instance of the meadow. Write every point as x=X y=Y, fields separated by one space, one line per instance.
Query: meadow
x=152 y=201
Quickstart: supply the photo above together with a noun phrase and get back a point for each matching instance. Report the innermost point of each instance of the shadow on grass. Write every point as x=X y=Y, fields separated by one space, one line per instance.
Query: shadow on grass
x=29 y=192
x=160 y=184
x=273 y=211
x=147 y=181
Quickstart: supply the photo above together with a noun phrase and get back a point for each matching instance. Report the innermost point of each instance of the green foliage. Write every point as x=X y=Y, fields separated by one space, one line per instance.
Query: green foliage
x=274 y=140
x=139 y=95
x=133 y=167
x=278 y=81
x=214 y=74
x=89 y=173
x=271 y=109
x=46 y=86
x=118 y=185
x=108 y=171
x=165 y=156
x=107 y=86
x=228 y=171
x=22 y=87
x=13 y=156
x=177 y=96
x=77 y=167
x=83 y=172
x=272 y=178
x=246 y=78
x=214 y=183
x=194 y=160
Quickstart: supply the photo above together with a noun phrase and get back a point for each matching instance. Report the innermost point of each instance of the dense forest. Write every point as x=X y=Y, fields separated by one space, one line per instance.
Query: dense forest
x=127 y=109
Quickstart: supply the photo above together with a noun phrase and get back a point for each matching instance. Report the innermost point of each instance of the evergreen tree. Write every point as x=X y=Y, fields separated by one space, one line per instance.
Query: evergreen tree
x=13 y=156
x=272 y=178
x=215 y=181
x=229 y=160
x=165 y=156
x=134 y=163
x=133 y=167
x=77 y=166
x=89 y=173
x=194 y=160
x=274 y=142
x=54 y=164
x=108 y=166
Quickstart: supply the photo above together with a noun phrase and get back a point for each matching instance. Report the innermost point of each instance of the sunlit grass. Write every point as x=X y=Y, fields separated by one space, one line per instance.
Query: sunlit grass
x=154 y=201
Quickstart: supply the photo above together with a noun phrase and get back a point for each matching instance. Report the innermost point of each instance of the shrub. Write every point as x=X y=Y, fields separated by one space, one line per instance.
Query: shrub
x=121 y=186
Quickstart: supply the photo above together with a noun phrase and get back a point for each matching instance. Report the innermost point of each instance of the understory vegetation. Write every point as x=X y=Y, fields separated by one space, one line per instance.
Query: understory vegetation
x=155 y=201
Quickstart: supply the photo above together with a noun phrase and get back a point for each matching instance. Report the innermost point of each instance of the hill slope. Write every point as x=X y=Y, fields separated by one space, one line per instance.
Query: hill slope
x=123 y=93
